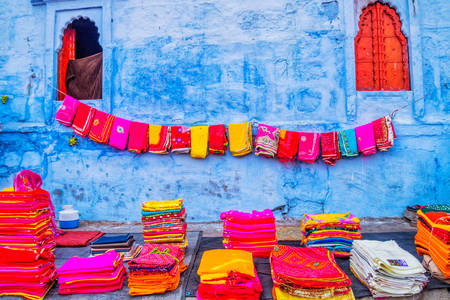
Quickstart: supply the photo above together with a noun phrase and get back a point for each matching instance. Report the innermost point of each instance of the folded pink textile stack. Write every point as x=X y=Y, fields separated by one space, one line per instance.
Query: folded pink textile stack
x=96 y=274
x=254 y=232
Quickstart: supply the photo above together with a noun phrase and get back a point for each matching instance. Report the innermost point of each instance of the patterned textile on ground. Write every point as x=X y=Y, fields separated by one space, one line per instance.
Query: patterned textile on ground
x=83 y=119
x=254 y=232
x=433 y=235
x=101 y=127
x=156 y=270
x=308 y=146
x=266 y=142
x=228 y=274
x=159 y=139
x=199 y=141
x=66 y=112
x=386 y=269
x=330 y=147
x=347 y=143
x=96 y=274
x=27 y=243
x=77 y=238
x=384 y=133
x=365 y=139
x=218 y=141
x=335 y=232
x=138 y=138
x=123 y=243
x=180 y=139
x=241 y=138
x=164 y=222
x=307 y=273
x=288 y=145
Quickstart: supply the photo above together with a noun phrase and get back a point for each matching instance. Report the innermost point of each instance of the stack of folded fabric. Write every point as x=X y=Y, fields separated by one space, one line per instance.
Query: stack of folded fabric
x=156 y=270
x=266 y=142
x=254 y=232
x=307 y=273
x=433 y=235
x=228 y=274
x=218 y=141
x=159 y=139
x=123 y=243
x=335 y=232
x=241 y=139
x=164 y=222
x=386 y=269
x=410 y=214
x=96 y=274
x=27 y=242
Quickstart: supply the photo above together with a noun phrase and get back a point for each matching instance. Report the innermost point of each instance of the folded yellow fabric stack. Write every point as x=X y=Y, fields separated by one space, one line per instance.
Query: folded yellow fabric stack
x=199 y=141
x=240 y=138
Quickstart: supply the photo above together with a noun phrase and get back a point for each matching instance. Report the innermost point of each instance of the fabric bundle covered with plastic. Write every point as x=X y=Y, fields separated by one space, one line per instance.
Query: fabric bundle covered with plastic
x=164 y=222
x=180 y=139
x=122 y=243
x=433 y=235
x=228 y=274
x=96 y=274
x=266 y=142
x=288 y=145
x=307 y=273
x=330 y=147
x=335 y=232
x=241 y=138
x=386 y=269
x=159 y=139
x=384 y=133
x=218 y=141
x=156 y=270
x=254 y=232
x=27 y=238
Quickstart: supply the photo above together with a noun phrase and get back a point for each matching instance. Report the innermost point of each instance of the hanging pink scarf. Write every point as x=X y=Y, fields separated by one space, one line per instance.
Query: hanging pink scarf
x=138 y=140
x=330 y=148
x=101 y=127
x=365 y=139
x=67 y=111
x=266 y=142
x=119 y=133
x=308 y=146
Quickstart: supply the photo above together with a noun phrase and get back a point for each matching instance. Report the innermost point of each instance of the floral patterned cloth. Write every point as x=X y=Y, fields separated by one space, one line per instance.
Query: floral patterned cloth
x=266 y=142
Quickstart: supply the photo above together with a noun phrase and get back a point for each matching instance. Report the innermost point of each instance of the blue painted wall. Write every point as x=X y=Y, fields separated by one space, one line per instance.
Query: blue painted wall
x=286 y=63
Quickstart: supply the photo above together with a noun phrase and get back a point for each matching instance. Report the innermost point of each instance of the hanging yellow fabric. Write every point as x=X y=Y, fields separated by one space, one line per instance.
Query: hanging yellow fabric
x=199 y=141
x=240 y=136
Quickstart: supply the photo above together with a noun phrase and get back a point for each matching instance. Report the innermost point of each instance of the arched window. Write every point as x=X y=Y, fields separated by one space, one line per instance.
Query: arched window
x=80 y=61
x=381 y=51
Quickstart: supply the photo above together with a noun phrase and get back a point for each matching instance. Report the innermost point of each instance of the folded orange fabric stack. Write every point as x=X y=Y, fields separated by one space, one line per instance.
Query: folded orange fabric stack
x=156 y=270
x=433 y=235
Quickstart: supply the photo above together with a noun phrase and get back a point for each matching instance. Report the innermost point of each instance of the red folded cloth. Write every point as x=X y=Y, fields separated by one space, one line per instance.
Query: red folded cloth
x=138 y=139
x=101 y=127
x=288 y=145
x=83 y=119
x=330 y=148
x=180 y=139
x=217 y=139
x=77 y=238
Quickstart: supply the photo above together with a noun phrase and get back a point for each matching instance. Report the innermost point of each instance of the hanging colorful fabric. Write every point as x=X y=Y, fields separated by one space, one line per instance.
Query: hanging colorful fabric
x=330 y=148
x=159 y=139
x=240 y=136
x=384 y=133
x=83 y=119
x=199 y=141
x=119 y=133
x=67 y=111
x=266 y=142
x=217 y=139
x=288 y=146
x=365 y=139
x=101 y=127
x=181 y=139
x=347 y=143
x=308 y=146
x=138 y=139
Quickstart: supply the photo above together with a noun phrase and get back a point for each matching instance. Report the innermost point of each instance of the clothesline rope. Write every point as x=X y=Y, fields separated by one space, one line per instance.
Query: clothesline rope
x=256 y=122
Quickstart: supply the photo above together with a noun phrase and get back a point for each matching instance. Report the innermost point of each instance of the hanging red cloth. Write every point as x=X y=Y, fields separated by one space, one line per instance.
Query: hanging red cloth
x=66 y=53
x=330 y=147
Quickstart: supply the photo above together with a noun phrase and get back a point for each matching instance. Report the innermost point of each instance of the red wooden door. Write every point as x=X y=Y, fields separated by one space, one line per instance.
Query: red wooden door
x=381 y=51
x=66 y=53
